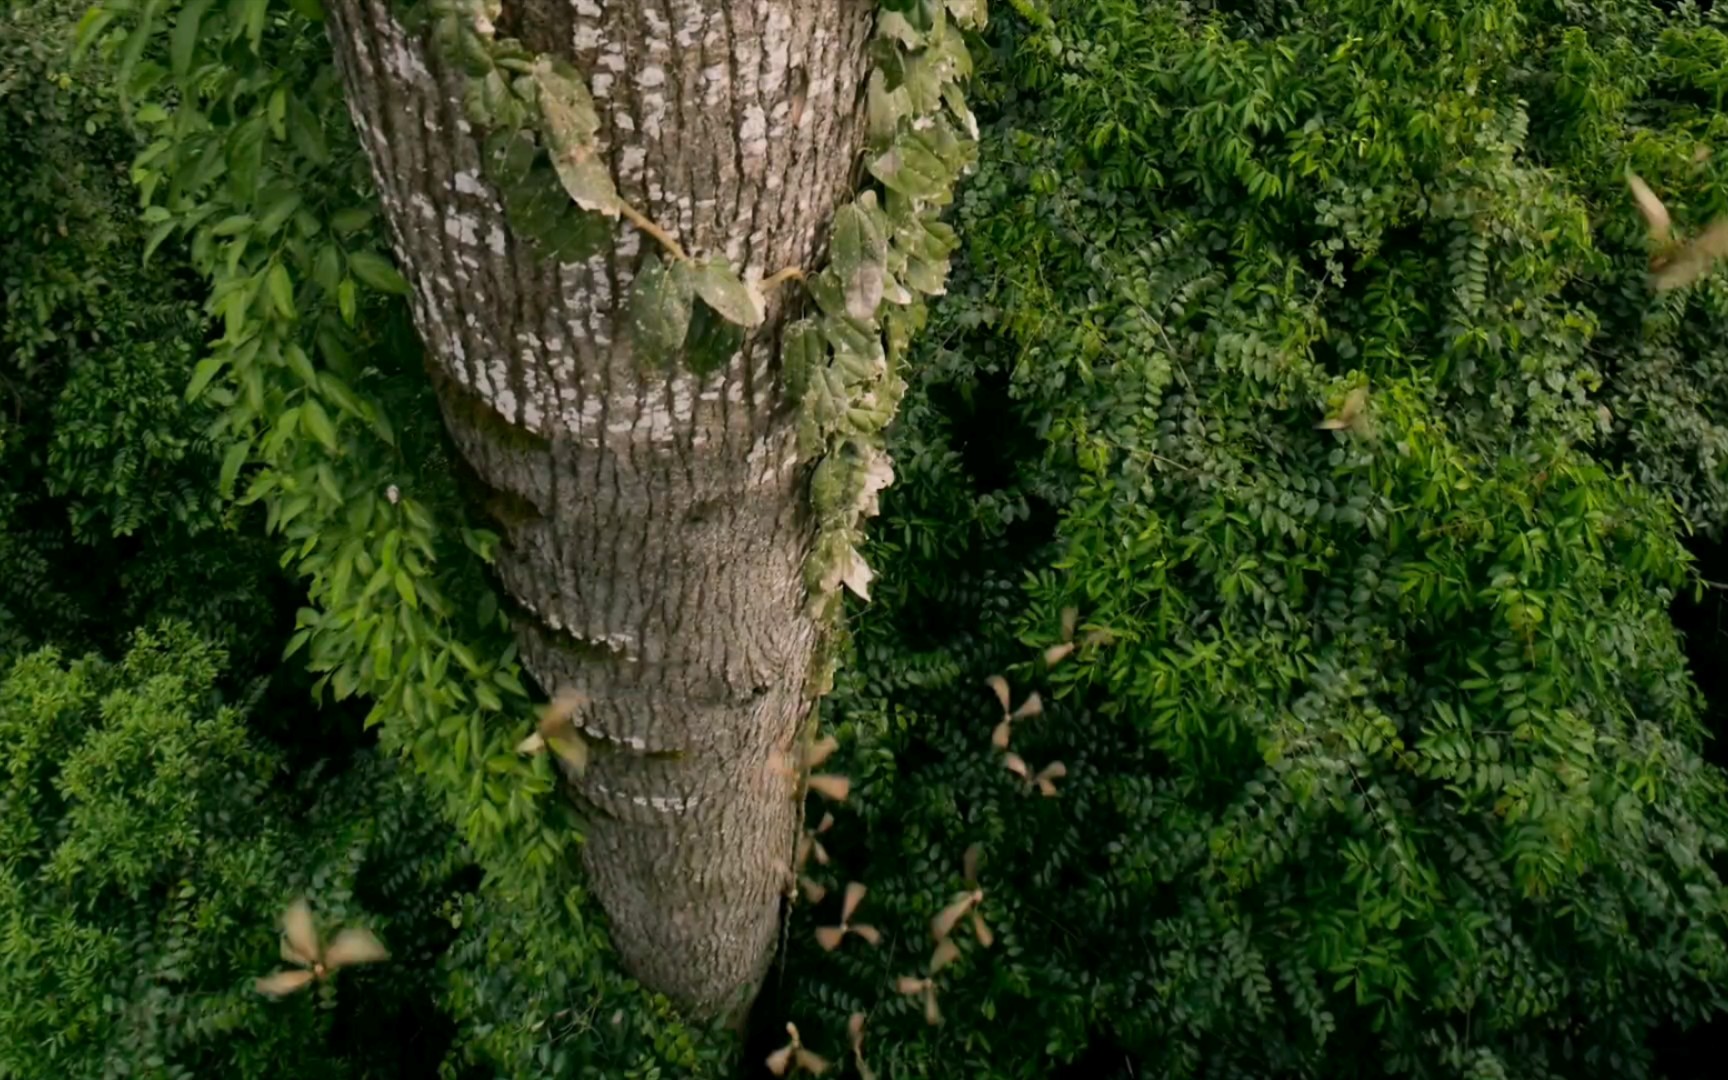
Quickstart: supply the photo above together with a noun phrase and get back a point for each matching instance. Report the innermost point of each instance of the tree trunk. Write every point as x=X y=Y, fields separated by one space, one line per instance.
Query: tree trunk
x=653 y=524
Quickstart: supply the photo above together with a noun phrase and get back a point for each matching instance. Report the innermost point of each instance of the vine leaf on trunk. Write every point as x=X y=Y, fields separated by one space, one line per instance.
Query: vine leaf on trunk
x=571 y=125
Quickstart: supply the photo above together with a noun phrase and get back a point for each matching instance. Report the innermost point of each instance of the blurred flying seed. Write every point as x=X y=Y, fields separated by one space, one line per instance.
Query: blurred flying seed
x=1351 y=415
x=301 y=947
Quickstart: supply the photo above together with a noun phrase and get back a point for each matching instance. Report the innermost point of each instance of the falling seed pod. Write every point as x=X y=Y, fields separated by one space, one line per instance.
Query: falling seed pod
x=949 y=917
x=1016 y=765
x=1351 y=415
x=1674 y=264
x=299 y=932
x=855 y=1033
x=1695 y=259
x=821 y=751
x=946 y=953
x=564 y=706
x=781 y=1060
x=1055 y=654
x=794 y=1056
x=832 y=788
x=556 y=731
x=300 y=946
x=830 y=937
x=1000 y=686
x=1047 y=776
x=1004 y=731
x=814 y=891
x=1656 y=220
x=911 y=985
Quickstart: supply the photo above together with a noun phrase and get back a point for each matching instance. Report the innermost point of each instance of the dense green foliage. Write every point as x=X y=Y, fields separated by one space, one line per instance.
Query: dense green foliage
x=149 y=838
x=1389 y=764
x=160 y=808
x=106 y=485
x=1393 y=765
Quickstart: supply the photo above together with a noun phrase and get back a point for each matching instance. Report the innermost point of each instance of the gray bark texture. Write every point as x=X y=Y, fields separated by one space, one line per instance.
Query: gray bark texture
x=653 y=523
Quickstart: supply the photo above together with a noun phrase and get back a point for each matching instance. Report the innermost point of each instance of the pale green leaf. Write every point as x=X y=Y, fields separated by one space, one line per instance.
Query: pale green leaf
x=317 y=423
x=232 y=462
x=661 y=300
x=571 y=126
x=732 y=298
x=281 y=289
x=203 y=373
x=860 y=255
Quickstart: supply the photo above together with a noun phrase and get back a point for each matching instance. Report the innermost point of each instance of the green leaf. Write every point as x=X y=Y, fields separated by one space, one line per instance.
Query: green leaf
x=570 y=125
x=885 y=109
x=300 y=364
x=661 y=300
x=345 y=300
x=405 y=589
x=713 y=341
x=735 y=300
x=910 y=168
x=276 y=210
x=203 y=373
x=154 y=241
x=232 y=462
x=254 y=14
x=803 y=350
x=306 y=133
x=377 y=272
x=232 y=225
x=350 y=220
x=860 y=256
x=281 y=289
x=317 y=423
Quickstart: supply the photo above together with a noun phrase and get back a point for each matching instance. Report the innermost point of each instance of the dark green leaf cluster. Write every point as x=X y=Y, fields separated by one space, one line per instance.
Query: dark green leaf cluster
x=1382 y=755
x=148 y=844
x=108 y=508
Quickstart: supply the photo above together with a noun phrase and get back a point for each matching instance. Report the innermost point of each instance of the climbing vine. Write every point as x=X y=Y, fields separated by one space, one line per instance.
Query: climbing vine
x=888 y=248
x=251 y=164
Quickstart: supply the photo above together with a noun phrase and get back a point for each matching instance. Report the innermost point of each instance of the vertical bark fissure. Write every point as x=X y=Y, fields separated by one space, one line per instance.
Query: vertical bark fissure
x=652 y=521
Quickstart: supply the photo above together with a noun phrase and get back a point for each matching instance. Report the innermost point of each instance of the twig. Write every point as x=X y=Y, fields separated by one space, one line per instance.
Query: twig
x=781 y=278
x=641 y=221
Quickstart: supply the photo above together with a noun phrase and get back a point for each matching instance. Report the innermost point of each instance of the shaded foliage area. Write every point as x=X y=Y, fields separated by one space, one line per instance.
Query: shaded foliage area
x=1393 y=764
x=111 y=515
x=168 y=791
x=148 y=839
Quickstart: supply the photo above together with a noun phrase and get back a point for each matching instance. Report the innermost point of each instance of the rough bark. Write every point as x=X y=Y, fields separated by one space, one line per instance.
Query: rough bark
x=653 y=529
